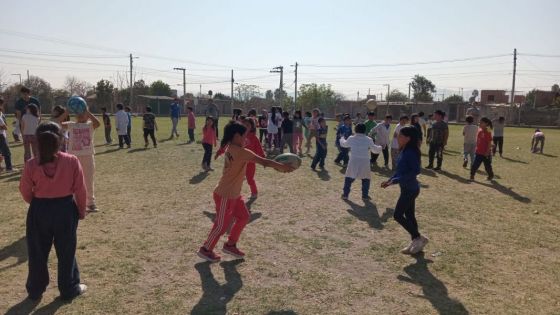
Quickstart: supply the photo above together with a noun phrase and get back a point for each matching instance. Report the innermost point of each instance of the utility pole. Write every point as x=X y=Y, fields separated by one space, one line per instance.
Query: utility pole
x=184 y=84
x=199 y=90
x=387 y=97
x=295 y=89
x=28 y=75
x=358 y=96
x=280 y=69
x=232 y=89
x=409 y=92
x=513 y=85
x=131 y=82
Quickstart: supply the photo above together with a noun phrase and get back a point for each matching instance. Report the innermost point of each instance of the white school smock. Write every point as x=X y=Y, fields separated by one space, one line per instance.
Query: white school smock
x=360 y=147
x=382 y=134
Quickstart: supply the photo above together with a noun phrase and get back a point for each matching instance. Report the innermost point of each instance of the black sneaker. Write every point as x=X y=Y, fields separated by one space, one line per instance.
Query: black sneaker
x=366 y=198
x=438 y=168
x=429 y=167
x=490 y=177
x=465 y=162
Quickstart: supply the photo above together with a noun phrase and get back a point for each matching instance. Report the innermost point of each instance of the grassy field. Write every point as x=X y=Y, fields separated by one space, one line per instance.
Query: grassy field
x=495 y=246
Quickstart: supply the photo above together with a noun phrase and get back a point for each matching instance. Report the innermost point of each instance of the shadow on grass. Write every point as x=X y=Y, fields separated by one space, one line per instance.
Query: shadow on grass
x=427 y=172
x=514 y=160
x=323 y=174
x=9 y=174
x=52 y=307
x=24 y=307
x=282 y=312
x=368 y=213
x=506 y=191
x=456 y=177
x=13 y=178
x=434 y=290
x=107 y=151
x=383 y=171
x=198 y=178
x=216 y=296
x=212 y=216
x=549 y=155
x=137 y=150
x=17 y=249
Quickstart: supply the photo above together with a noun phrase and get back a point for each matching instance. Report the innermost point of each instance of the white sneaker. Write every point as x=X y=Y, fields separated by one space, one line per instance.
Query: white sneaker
x=82 y=288
x=407 y=250
x=418 y=244
x=92 y=208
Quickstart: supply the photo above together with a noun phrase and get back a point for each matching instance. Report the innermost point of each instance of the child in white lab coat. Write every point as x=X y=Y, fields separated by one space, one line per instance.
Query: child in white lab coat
x=360 y=147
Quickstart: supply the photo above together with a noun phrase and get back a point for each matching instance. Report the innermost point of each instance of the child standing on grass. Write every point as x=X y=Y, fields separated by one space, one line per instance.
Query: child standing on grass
x=60 y=115
x=287 y=128
x=4 y=147
x=29 y=122
x=107 y=125
x=395 y=147
x=53 y=185
x=360 y=147
x=538 y=138
x=16 y=131
x=321 y=144
x=121 y=120
x=312 y=126
x=191 y=123
x=439 y=132
x=408 y=167
x=272 y=129
x=209 y=141
x=469 y=141
x=298 y=132
x=262 y=123
x=127 y=110
x=230 y=205
x=81 y=144
x=150 y=127
x=343 y=131
x=498 y=138
x=483 y=148
x=381 y=133
x=252 y=143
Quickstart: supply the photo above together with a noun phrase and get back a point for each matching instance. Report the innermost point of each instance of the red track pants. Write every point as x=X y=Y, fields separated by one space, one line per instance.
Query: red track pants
x=227 y=210
x=250 y=176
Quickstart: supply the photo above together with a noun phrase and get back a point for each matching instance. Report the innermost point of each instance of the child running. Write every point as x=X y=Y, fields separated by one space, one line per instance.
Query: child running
x=209 y=141
x=53 y=186
x=4 y=147
x=230 y=205
x=360 y=147
x=191 y=123
x=81 y=144
x=29 y=123
x=483 y=148
x=538 y=138
x=408 y=167
x=343 y=131
x=321 y=144
x=469 y=141
x=149 y=126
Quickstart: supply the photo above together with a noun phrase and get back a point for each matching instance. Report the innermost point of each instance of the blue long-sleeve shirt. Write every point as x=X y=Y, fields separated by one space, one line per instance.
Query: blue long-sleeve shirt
x=408 y=167
x=342 y=131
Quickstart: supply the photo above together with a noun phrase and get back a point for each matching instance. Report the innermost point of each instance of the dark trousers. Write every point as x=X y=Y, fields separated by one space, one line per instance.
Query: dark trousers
x=216 y=126
x=479 y=159
x=404 y=212
x=320 y=156
x=151 y=133
x=5 y=151
x=108 y=138
x=191 y=134
x=436 y=150
x=128 y=129
x=123 y=139
x=207 y=154
x=52 y=221
x=498 y=145
x=348 y=184
x=287 y=139
x=385 y=152
x=262 y=135
x=342 y=156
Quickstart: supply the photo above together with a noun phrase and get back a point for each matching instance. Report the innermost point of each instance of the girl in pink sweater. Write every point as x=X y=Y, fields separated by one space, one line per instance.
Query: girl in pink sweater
x=53 y=185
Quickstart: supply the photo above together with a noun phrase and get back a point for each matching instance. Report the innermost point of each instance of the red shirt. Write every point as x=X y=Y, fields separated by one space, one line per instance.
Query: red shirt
x=61 y=178
x=252 y=143
x=191 y=121
x=483 y=140
x=209 y=136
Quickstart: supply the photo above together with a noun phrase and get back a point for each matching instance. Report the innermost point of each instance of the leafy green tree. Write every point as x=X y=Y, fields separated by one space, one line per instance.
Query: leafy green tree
x=247 y=91
x=397 y=96
x=269 y=95
x=221 y=96
x=453 y=99
x=42 y=90
x=104 y=91
x=140 y=88
x=423 y=88
x=321 y=96
x=160 y=88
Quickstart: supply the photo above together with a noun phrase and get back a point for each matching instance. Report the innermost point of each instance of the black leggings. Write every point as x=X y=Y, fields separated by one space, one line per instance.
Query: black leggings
x=404 y=212
x=498 y=145
x=207 y=154
x=149 y=132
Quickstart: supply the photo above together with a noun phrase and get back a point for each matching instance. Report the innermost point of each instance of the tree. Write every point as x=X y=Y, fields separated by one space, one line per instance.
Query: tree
x=530 y=97
x=453 y=99
x=269 y=95
x=247 y=91
x=104 y=92
x=397 y=96
x=75 y=86
x=423 y=88
x=42 y=89
x=160 y=88
x=140 y=88
x=555 y=88
x=221 y=96
x=313 y=95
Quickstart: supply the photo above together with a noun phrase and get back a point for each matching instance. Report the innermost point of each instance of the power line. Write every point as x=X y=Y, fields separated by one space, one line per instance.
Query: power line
x=539 y=55
x=38 y=53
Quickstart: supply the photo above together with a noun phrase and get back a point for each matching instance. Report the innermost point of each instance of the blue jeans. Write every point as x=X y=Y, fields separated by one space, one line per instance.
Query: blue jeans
x=343 y=156
x=320 y=156
x=174 y=122
x=5 y=151
x=348 y=184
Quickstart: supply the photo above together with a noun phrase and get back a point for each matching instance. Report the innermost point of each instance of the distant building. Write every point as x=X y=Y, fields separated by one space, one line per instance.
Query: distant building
x=544 y=98
x=499 y=97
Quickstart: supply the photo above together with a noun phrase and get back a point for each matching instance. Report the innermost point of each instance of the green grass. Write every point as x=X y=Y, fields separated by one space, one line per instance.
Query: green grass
x=494 y=246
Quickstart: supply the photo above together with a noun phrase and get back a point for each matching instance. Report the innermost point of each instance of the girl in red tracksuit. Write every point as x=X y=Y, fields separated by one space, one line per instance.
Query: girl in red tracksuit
x=252 y=143
x=230 y=205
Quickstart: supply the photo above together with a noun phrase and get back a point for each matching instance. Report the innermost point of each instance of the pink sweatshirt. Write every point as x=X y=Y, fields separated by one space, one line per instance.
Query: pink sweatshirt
x=209 y=136
x=67 y=179
x=191 y=121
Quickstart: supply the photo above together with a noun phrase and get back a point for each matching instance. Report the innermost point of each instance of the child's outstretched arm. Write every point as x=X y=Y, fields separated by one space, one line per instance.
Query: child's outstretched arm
x=284 y=168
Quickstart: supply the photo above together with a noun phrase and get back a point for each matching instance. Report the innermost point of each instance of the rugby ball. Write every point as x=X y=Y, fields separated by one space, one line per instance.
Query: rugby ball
x=77 y=105
x=290 y=159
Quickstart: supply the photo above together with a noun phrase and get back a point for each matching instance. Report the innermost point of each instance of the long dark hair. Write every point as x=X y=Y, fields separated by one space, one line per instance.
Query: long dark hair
x=251 y=123
x=49 y=137
x=414 y=142
x=487 y=121
x=273 y=116
x=206 y=122
x=33 y=109
x=230 y=130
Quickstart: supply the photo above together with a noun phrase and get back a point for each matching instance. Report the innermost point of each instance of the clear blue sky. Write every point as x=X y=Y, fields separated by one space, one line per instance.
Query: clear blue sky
x=263 y=34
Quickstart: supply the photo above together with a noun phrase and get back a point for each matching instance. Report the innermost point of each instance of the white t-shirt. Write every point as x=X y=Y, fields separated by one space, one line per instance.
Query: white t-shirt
x=3 y=124
x=30 y=124
x=422 y=123
x=395 y=142
x=470 y=132
x=80 y=138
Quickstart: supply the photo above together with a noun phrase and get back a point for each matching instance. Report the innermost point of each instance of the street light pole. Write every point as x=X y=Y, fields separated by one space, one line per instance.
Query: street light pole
x=387 y=97
x=184 y=83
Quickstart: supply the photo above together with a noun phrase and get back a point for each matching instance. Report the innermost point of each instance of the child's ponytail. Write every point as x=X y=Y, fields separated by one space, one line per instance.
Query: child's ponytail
x=48 y=141
x=230 y=130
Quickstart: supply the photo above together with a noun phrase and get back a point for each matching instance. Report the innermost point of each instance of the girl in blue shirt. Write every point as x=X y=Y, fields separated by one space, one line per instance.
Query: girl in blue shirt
x=408 y=167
